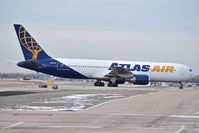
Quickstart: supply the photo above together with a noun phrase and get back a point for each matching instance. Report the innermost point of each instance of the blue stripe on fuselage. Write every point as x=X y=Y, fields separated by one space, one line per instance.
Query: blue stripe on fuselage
x=52 y=67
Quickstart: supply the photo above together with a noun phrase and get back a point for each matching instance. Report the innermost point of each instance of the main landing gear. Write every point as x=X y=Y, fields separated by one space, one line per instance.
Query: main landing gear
x=110 y=84
x=99 y=83
x=181 y=86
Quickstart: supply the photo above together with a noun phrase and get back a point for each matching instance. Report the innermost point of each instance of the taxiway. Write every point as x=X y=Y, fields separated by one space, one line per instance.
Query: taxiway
x=125 y=109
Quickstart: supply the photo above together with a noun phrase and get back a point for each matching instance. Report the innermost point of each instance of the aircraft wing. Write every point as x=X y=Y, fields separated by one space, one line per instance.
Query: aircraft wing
x=119 y=72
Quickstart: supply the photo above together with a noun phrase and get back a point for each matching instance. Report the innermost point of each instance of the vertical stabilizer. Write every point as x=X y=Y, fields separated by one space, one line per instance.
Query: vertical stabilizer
x=30 y=48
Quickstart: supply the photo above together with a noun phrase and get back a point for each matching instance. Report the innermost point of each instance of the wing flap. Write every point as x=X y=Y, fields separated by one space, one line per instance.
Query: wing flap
x=120 y=72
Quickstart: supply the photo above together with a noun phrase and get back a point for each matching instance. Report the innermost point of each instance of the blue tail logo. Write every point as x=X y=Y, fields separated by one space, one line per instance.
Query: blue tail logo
x=29 y=43
x=30 y=48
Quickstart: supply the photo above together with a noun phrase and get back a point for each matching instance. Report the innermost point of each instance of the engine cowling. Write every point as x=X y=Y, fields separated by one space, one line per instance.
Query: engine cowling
x=141 y=80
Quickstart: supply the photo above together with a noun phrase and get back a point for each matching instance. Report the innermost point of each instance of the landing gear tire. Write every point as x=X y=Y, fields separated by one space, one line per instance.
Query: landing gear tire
x=112 y=84
x=102 y=84
x=99 y=83
x=115 y=85
x=109 y=84
x=181 y=86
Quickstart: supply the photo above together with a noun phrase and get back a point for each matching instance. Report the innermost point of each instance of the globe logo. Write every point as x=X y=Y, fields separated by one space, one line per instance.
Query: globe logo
x=29 y=43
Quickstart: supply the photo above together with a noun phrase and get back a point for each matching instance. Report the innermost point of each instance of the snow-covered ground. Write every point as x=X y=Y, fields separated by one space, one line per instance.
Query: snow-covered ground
x=73 y=102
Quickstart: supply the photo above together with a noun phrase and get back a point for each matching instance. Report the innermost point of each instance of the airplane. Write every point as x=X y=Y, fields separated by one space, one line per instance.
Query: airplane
x=112 y=71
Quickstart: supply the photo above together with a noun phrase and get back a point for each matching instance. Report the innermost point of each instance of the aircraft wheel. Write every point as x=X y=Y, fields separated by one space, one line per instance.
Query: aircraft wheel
x=96 y=84
x=99 y=84
x=115 y=85
x=110 y=84
x=102 y=84
x=181 y=86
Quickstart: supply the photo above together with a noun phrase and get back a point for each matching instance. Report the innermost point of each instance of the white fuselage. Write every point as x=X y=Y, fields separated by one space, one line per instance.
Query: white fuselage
x=165 y=72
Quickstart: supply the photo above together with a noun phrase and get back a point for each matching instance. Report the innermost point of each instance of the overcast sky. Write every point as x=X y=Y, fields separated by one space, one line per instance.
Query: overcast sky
x=140 y=30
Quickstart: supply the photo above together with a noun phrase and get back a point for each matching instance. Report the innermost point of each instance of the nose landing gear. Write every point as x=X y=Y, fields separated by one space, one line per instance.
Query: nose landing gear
x=181 y=86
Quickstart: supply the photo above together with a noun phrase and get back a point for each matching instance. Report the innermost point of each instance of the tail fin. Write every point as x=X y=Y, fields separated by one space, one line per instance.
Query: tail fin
x=30 y=48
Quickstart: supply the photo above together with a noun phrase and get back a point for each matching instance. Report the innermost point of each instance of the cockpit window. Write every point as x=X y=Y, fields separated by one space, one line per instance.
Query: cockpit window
x=190 y=70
